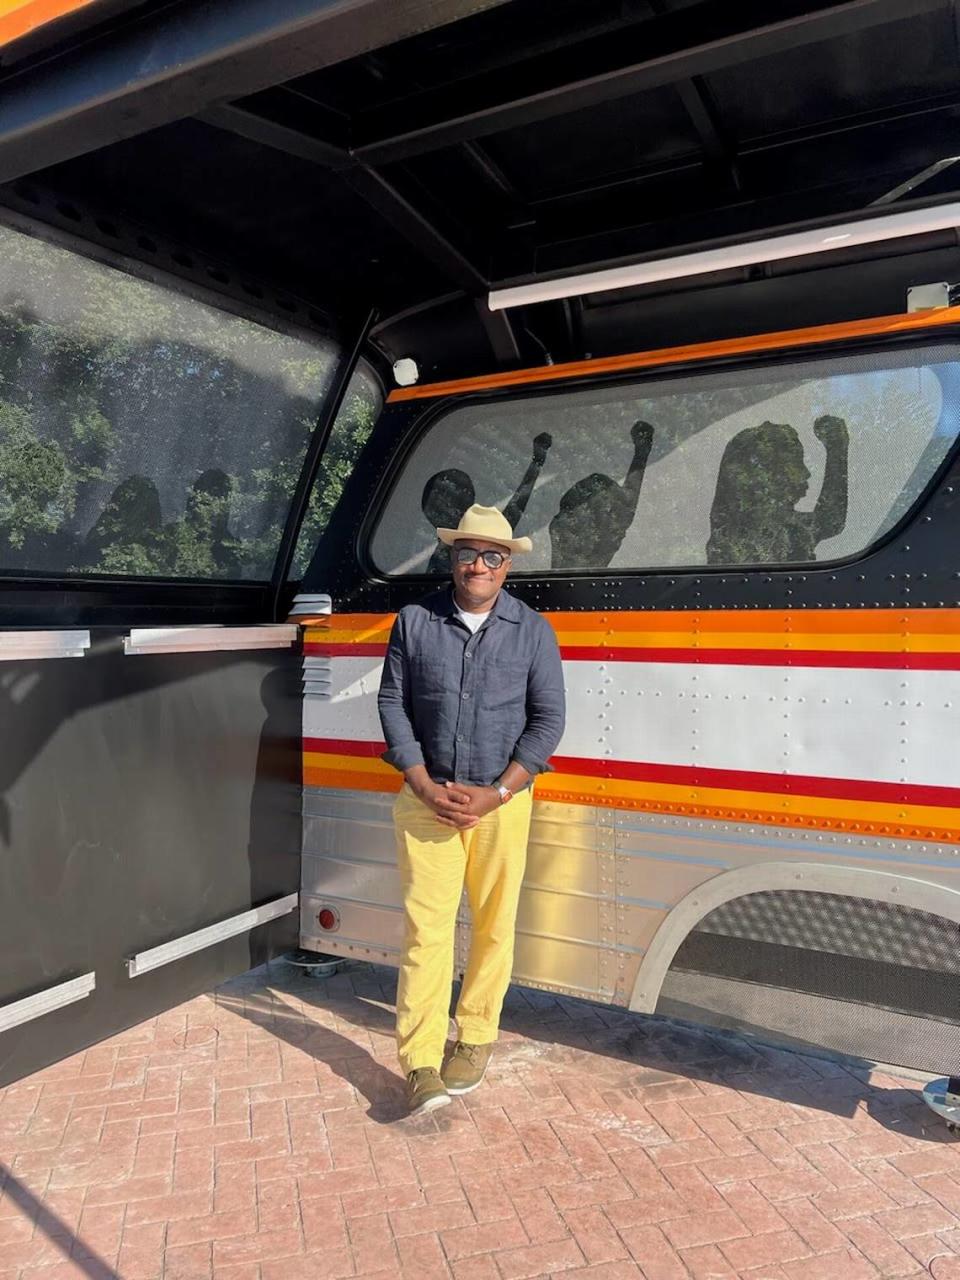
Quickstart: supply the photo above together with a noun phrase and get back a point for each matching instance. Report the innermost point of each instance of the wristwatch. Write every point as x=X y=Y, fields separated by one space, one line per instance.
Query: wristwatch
x=503 y=792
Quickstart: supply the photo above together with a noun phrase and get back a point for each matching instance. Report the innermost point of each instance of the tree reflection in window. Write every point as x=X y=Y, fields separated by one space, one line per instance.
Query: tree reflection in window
x=127 y=537
x=144 y=432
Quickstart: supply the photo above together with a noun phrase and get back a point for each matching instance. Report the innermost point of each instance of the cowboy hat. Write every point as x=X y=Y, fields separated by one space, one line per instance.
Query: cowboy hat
x=488 y=524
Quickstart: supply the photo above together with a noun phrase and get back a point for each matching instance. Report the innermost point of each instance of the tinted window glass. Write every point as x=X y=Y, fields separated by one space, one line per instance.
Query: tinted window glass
x=350 y=432
x=785 y=465
x=142 y=431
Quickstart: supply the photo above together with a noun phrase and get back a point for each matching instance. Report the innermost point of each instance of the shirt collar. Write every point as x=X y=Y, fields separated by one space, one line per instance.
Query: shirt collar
x=442 y=605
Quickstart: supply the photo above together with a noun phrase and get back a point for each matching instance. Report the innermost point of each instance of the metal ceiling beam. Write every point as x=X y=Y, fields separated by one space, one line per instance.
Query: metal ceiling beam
x=700 y=108
x=271 y=133
x=599 y=70
x=870 y=144
x=381 y=194
x=158 y=67
x=704 y=115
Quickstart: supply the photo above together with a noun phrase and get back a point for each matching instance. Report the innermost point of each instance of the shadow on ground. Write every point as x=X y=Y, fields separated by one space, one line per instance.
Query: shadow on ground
x=651 y=1055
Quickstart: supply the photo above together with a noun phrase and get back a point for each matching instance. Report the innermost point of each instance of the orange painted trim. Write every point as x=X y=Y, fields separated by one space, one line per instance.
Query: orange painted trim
x=346 y=780
x=875 y=326
x=886 y=821
x=20 y=17
x=866 y=630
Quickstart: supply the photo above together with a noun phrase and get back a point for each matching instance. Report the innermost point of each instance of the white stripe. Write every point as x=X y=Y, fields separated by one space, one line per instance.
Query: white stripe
x=864 y=723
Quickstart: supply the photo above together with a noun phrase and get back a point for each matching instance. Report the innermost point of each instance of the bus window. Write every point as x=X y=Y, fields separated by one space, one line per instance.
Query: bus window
x=805 y=462
x=352 y=428
x=143 y=432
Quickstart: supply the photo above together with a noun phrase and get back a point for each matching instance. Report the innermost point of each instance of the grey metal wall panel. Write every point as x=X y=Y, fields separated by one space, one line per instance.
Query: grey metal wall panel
x=140 y=799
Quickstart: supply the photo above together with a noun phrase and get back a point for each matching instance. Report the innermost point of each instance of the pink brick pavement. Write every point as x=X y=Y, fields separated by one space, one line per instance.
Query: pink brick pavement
x=257 y=1133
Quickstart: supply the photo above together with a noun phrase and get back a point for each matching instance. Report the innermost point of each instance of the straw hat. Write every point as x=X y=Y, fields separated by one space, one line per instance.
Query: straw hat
x=488 y=524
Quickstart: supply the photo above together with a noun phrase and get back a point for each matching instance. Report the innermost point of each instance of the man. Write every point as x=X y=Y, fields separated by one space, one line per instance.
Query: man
x=472 y=707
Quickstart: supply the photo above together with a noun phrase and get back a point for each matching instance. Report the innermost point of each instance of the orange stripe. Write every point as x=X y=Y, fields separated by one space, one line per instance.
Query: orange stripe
x=20 y=17
x=774 y=621
x=927 y=822
x=784 y=338
x=347 y=780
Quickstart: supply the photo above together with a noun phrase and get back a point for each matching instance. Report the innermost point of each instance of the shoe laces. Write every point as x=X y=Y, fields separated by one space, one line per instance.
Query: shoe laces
x=469 y=1051
x=419 y=1074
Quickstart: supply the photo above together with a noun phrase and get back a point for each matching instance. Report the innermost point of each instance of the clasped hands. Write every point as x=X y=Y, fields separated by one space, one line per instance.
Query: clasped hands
x=458 y=805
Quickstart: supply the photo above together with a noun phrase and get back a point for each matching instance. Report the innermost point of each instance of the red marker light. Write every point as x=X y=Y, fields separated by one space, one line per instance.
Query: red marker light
x=327 y=918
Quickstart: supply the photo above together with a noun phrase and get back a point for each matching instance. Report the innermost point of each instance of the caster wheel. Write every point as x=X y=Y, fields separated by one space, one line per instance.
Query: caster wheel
x=315 y=963
x=941 y=1097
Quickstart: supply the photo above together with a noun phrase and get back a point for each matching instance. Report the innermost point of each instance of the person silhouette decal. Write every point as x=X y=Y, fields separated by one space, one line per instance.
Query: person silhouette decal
x=596 y=512
x=448 y=494
x=762 y=477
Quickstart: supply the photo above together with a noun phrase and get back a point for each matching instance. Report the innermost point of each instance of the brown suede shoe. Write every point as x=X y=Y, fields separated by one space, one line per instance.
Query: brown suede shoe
x=467 y=1067
x=425 y=1090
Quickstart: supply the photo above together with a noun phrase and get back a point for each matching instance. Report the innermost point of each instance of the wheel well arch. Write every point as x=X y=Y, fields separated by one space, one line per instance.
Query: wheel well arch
x=801 y=877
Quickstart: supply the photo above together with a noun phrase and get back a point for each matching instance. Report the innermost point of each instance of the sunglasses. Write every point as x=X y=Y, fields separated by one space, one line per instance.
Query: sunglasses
x=492 y=559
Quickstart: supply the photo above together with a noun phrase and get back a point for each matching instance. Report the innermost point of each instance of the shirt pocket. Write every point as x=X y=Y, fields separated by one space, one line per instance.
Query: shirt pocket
x=431 y=680
x=503 y=687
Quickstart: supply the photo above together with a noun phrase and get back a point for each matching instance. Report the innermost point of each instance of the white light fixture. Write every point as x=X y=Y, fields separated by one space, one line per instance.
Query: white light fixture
x=405 y=371
x=797 y=244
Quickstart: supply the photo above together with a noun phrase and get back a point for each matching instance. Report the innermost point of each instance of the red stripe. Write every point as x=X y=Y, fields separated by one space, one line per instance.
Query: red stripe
x=858 y=658
x=315 y=649
x=344 y=747
x=697 y=776
x=748 y=780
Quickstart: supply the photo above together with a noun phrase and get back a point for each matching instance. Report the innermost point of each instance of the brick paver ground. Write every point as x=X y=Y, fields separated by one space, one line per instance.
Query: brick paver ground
x=258 y=1134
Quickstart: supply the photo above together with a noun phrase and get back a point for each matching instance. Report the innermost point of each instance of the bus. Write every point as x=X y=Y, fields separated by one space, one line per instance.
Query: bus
x=283 y=287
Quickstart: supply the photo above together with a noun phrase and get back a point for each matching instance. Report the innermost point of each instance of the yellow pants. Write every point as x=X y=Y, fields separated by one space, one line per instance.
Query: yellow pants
x=436 y=862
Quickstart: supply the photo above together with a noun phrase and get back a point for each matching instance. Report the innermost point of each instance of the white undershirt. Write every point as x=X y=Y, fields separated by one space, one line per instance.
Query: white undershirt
x=473 y=620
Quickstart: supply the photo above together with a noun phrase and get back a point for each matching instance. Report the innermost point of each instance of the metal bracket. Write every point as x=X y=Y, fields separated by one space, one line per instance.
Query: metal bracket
x=20 y=1011
x=212 y=638
x=167 y=952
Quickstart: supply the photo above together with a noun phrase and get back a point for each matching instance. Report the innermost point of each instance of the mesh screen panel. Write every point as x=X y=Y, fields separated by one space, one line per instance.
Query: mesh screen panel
x=851 y=974
x=880 y=931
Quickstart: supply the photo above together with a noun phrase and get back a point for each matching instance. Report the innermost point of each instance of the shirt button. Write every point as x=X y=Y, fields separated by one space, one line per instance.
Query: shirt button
x=465 y=696
x=459 y=737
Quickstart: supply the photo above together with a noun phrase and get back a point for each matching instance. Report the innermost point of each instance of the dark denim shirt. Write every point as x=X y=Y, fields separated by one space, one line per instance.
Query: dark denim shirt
x=466 y=705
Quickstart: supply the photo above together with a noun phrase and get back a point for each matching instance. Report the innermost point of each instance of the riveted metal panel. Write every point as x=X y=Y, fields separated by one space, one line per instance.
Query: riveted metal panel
x=662 y=879
x=343 y=838
x=351 y=878
x=559 y=915
x=564 y=868
x=355 y=806
x=570 y=967
x=363 y=929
